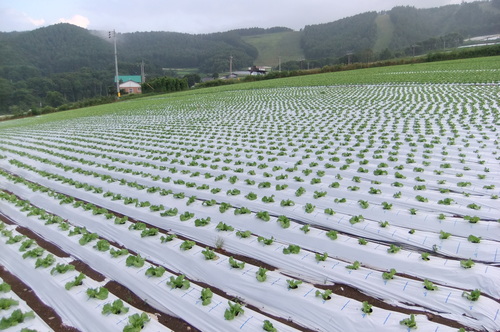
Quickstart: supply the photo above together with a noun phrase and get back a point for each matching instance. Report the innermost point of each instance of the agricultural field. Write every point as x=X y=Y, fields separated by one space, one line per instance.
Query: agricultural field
x=353 y=201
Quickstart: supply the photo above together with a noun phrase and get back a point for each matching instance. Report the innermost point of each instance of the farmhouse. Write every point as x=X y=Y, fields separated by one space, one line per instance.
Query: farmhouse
x=130 y=83
x=130 y=87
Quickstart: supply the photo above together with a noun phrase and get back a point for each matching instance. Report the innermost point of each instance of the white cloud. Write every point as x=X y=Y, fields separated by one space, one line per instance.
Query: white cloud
x=77 y=20
x=12 y=19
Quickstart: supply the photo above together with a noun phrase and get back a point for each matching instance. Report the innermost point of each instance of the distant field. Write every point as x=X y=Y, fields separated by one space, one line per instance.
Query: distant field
x=273 y=45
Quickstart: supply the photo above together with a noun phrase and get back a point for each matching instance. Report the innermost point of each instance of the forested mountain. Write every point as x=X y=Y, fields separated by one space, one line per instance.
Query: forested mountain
x=64 y=63
x=405 y=27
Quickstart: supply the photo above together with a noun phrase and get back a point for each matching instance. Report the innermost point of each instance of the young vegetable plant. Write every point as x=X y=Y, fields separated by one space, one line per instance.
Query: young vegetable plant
x=235 y=309
x=326 y=295
x=178 y=282
x=332 y=235
x=167 y=238
x=222 y=227
x=473 y=295
x=305 y=228
x=383 y=224
x=268 y=326
x=4 y=287
x=321 y=257
x=34 y=253
x=243 y=234
x=186 y=245
x=45 y=262
x=115 y=308
x=62 y=268
x=149 y=232
x=235 y=264
x=261 y=274
x=309 y=208
x=77 y=281
x=467 y=264
x=444 y=235
x=425 y=256
x=209 y=254
x=354 y=266
x=409 y=322
x=263 y=215
x=293 y=284
x=206 y=296
x=186 y=216
x=7 y=303
x=429 y=285
x=284 y=221
x=393 y=249
x=99 y=293
x=223 y=207
x=474 y=239
x=265 y=241
x=102 y=245
x=362 y=241
x=389 y=275
x=292 y=249
x=200 y=222
x=136 y=322
x=135 y=261
x=155 y=271
x=367 y=307
x=118 y=252
x=356 y=219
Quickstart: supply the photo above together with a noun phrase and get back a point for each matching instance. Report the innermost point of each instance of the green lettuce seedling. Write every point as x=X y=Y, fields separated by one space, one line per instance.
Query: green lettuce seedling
x=261 y=274
x=409 y=322
x=155 y=271
x=135 y=261
x=100 y=293
x=429 y=285
x=209 y=254
x=473 y=295
x=136 y=322
x=268 y=326
x=235 y=264
x=206 y=296
x=321 y=257
x=354 y=266
x=367 y=308
x=293 y=284
x=389 y=275
x=235 y=309
x=76 y=282
x=326 y=295
x=292 y=249
x=115 y=308
x=179 y=282
x=7 y=303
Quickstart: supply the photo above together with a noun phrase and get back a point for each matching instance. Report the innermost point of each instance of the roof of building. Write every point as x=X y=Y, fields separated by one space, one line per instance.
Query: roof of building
x=130 y=84
x=125 y=78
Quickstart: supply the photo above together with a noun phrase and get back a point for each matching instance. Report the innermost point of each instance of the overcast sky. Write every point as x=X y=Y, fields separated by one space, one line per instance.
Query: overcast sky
x=190 y=16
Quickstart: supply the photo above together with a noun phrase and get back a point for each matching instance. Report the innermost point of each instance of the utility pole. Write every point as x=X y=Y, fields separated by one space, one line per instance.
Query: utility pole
x=279 y=64
x=349 y=57
x=230 y=66
x=143 y=76
x=113 y=34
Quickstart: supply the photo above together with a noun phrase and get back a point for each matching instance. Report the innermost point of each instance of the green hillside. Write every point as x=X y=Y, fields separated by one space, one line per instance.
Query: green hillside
x=271 y=46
